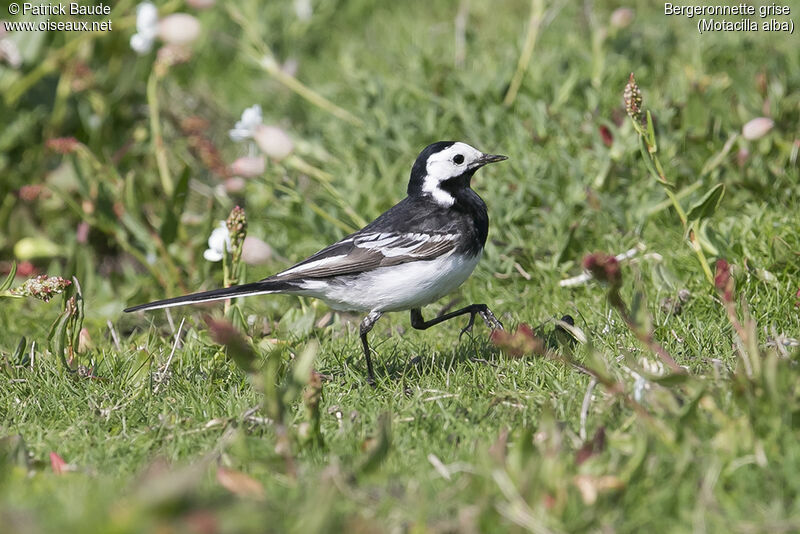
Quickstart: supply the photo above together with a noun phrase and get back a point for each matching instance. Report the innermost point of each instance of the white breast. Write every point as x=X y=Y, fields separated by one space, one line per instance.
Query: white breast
x=395 y=288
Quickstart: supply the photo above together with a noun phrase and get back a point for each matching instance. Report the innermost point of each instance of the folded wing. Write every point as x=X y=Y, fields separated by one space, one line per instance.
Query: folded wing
x=359 y=253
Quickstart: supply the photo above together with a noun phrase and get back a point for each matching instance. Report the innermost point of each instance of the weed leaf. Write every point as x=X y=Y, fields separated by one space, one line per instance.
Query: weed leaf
x=706 y=206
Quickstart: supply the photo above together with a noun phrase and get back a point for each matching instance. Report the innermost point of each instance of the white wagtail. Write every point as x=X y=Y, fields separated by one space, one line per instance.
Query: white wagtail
x=415 y=253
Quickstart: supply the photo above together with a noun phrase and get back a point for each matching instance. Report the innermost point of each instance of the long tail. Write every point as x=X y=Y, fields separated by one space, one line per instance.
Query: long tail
x=245 y=290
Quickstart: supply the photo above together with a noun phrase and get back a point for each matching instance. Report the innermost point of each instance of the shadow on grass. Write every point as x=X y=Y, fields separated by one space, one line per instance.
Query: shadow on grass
x=396 y=358
x=410 y=361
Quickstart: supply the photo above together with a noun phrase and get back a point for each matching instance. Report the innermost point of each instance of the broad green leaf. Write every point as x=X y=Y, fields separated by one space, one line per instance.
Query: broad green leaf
x=706 y=206
x=648 y=161
x=19 y=353
x=10 y=278
x=57 y=338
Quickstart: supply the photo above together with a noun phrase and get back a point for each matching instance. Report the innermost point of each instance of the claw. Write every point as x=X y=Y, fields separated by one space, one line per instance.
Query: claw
x=468 y=329
x=491 y=321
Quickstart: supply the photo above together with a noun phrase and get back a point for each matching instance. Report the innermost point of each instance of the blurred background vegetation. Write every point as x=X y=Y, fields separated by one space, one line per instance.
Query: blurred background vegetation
x=116 y=167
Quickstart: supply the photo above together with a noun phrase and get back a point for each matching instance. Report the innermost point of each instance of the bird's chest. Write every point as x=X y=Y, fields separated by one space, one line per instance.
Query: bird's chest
x=413 y=285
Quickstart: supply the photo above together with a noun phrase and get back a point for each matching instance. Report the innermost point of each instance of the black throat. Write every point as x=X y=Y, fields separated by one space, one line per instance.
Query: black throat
x=469 y=205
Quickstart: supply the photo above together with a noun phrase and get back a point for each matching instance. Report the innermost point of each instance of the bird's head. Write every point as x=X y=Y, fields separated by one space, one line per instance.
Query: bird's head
x=444 y=167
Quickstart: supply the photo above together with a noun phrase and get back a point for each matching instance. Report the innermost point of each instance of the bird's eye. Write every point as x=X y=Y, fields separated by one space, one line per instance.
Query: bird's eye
x=458 y=159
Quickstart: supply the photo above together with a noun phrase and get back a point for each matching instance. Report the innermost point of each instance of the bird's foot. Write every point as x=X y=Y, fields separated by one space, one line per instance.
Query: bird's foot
x=491 y=321
x=488 y=318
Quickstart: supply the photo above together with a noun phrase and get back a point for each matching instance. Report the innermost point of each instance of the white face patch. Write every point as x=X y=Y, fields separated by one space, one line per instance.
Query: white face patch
x=449 y=163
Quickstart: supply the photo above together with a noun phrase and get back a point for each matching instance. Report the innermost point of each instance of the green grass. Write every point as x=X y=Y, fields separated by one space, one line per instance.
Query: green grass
x=457 y=435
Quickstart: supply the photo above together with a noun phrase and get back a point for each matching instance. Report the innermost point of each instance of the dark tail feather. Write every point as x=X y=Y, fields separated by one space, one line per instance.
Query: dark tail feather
x=245 y=290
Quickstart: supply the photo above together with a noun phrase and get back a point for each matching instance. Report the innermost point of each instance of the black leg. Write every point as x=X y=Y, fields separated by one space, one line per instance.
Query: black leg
x=366 y=325
x=473 y=309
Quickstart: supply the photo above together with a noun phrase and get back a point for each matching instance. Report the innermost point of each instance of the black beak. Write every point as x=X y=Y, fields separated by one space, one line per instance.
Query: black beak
x=489 y=158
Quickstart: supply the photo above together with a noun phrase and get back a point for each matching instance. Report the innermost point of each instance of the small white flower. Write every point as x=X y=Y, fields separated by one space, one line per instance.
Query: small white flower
x=146 y=28
x=147 y=19
x=179 y=29
x=218 y=242
x=246 y=127
x=274 y=142
x=757 y=128
x=255 y=251
x=141 y=45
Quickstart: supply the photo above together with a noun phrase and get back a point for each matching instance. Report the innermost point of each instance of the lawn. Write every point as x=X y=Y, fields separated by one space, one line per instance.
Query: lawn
x=671 y=405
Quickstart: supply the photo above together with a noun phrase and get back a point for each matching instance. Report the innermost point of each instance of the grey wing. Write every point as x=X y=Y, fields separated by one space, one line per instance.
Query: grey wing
x=363 y=252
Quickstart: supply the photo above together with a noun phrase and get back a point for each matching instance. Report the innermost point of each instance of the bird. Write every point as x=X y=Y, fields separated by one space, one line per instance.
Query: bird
x=416 y=252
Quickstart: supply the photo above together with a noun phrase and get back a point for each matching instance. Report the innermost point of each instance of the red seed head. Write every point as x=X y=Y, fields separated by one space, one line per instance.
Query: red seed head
x=603 y=267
